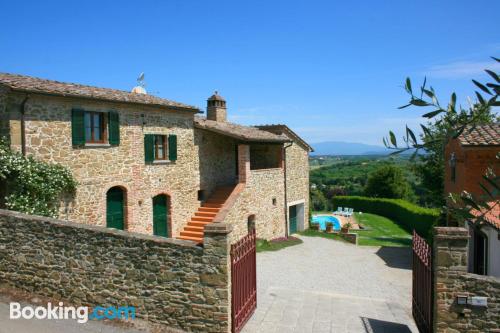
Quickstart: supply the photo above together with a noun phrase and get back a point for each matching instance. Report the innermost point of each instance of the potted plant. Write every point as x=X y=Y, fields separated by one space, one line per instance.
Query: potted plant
x=315 y=226
x=329 y=227
x=346 y=227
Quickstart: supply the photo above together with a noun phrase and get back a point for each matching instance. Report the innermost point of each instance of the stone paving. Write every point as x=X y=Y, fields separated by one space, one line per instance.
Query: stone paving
x=332 y=286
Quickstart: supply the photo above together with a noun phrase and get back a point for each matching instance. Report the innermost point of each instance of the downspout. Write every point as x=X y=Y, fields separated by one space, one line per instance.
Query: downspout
x=284 y=181
x=23 y=125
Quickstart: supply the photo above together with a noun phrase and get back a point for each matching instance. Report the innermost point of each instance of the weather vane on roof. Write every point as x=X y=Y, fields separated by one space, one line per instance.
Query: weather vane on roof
x=140 y=80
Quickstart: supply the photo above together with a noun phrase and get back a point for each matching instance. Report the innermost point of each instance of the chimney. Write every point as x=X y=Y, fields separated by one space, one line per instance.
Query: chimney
x=216 y=108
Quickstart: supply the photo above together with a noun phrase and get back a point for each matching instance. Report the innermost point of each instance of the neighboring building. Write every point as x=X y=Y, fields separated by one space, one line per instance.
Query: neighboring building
x=151 y=165
x=468 y=158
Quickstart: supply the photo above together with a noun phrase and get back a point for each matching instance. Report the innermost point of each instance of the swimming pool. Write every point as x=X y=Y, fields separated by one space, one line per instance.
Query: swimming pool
x=322 y=219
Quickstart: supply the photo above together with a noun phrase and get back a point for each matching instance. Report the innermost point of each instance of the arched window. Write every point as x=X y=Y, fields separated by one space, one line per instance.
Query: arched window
x=160 y=215
x=115 y=208
x=251 y=223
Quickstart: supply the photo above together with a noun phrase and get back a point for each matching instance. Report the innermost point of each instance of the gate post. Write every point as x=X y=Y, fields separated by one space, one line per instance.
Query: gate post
x=449 y=262
x=216 y=250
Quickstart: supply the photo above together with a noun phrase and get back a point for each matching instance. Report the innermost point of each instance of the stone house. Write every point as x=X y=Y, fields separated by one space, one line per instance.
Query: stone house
x=155 y=166
x=468 y=158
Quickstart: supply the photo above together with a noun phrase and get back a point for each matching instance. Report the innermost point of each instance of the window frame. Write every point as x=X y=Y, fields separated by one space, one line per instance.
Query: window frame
x=103 y=128
x=164 y=146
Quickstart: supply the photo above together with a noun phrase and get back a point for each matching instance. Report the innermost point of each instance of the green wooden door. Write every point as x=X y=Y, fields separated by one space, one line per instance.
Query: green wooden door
x=293 y=219
x=160 y=216
x=115 y=208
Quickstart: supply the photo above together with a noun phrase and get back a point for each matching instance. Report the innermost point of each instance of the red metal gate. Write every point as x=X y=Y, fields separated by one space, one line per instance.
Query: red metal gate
x=243 y=281
x=422 y=300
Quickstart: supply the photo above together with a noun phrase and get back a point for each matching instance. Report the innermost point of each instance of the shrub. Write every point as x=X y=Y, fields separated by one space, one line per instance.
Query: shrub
x=31 y=186
x=409 y=216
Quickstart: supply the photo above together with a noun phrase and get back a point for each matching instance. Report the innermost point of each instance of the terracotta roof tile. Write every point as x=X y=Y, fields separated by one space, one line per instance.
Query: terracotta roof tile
x=240 y=132
x=481 y=135
x=492 y=217
x=43 y=86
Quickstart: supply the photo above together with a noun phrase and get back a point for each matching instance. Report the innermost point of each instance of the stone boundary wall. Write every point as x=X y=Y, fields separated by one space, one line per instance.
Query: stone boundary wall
x=451 y=280
x=351 y=237
x=171 y=282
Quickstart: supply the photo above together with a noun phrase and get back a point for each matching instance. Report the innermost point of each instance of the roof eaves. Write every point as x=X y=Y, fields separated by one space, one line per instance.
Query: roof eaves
x=186 y=108
x=290 y=131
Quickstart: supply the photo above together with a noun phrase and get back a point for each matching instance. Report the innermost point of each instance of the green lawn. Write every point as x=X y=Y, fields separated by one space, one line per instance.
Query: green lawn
x=382 y=231
x=314 y=233
x=264 y=245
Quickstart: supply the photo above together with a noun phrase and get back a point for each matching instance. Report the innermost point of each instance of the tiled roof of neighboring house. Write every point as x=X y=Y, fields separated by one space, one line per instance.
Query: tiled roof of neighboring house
x=280 y=128
x=36 y=85
x=240 y=132
x=492 y=217
x=481 y=135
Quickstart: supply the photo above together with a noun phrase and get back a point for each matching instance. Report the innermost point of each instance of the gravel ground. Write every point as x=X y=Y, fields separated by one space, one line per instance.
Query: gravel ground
x=323 y=285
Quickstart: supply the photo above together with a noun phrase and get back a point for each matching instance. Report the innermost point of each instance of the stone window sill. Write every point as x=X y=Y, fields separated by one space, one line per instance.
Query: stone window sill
x=97 y=145
x=160 y=162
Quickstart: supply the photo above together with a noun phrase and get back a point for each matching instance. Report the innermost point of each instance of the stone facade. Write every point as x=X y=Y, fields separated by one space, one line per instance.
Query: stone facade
x=205 y=160
x=97 y=169
x=217 y=156
x=297 y=179
x=451 y=280
x=255 y=202
x=171 y=282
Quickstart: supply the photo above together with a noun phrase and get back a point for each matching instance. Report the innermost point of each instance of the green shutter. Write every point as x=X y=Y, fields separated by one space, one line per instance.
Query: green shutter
x=172 y=147
x=77 y=127
x=149 y=148
x=114 y=128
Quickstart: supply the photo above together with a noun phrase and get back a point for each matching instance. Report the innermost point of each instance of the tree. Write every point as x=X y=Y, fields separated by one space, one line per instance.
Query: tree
x=451 y=121
x=388 y=182
x=318 y=201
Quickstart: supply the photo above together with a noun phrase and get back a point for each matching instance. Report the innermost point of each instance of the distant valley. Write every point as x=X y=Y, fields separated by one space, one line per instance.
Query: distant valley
x=347 y=148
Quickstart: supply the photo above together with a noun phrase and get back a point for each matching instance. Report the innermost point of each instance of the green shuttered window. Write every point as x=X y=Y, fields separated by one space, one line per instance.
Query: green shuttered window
x=149 y=148
x=114 y=128
x=172 y=147
x=77 y=127
x=94 y=127
x=154 y=147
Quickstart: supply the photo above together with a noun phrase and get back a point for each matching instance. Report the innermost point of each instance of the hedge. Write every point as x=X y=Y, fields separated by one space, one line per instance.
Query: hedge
x=404 y=213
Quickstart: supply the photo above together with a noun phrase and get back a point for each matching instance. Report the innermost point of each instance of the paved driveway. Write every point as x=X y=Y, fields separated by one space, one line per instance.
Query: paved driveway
x=331 y=286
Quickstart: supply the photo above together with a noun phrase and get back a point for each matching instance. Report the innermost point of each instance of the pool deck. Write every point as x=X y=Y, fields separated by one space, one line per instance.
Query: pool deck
x=342 y=219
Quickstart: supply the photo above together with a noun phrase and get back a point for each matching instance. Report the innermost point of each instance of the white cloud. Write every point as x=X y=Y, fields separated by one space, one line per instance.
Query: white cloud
x=459 y=69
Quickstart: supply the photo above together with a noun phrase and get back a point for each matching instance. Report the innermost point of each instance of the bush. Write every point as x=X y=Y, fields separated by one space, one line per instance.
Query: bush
x=409 y=216
x=30 y=186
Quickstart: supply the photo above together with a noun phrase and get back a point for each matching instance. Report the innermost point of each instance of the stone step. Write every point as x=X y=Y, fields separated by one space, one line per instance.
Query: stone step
x=202 y=218
x=212 y=205
x=209 y=210
x=194 y=228
x=205 y=214
x=192 y=234
x=195 y=239
x=197 y=223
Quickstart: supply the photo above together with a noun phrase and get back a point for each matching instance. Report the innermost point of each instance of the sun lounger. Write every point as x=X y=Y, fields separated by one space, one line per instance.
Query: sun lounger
x=338 y=211
x=349 y=212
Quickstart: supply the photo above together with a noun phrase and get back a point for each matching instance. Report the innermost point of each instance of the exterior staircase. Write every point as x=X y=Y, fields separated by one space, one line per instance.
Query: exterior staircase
x=193 y=231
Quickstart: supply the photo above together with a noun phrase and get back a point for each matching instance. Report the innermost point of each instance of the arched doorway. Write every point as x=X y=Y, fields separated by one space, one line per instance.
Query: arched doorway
x=160 y=215
x=115 y=208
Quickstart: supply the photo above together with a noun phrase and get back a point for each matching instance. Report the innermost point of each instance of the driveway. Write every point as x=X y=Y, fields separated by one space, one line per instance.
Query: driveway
x=331 y=286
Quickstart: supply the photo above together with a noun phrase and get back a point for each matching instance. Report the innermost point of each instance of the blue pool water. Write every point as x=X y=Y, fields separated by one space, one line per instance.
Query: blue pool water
x=323 y=219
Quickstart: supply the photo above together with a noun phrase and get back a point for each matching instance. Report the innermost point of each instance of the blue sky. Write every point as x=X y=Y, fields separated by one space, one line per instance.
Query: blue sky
x=331 y=70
